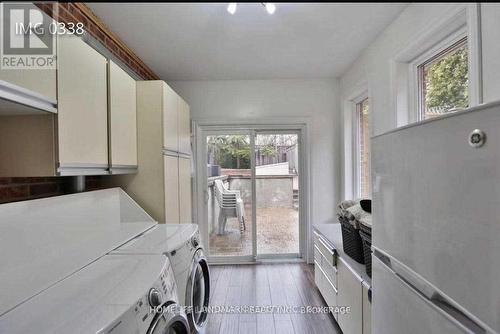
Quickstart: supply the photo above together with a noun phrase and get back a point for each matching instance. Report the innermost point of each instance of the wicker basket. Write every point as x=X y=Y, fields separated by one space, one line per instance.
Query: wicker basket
x=367 y=251
x=351 y=241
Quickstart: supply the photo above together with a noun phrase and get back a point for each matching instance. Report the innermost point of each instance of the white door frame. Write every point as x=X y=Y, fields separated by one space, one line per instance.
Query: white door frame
x=300 y=125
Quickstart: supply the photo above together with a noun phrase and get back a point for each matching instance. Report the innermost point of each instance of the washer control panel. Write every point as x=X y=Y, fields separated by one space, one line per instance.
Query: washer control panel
x=164 y=290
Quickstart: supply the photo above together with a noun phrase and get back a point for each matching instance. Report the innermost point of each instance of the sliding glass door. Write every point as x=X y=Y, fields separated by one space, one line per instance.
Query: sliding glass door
x=252 y=199
x=277 y=194
x=229 y=195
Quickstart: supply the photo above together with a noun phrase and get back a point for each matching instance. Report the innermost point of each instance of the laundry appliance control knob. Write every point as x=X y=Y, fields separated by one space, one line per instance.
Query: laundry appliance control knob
x=195 y=242
x=155 y=299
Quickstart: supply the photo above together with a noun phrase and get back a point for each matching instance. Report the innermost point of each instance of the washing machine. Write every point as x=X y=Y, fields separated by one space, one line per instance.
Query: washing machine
x=133 y=294
x=181 y=243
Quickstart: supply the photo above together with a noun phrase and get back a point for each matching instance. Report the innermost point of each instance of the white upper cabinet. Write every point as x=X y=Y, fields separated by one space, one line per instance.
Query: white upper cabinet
x=82 y=105
x=123 y=119
x=170 y=119
x=176 y=123
x=184 y=127
x=39 y=81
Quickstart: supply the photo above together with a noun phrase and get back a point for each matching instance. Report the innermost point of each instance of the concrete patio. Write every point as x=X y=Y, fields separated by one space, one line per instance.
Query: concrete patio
x=277 y=233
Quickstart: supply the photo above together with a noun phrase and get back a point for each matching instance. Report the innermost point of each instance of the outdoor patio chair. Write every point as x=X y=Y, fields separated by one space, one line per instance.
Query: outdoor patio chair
x=230 y=204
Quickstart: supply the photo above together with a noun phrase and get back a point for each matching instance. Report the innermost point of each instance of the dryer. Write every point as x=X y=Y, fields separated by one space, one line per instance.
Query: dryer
x=115 y=294
x=181 y=243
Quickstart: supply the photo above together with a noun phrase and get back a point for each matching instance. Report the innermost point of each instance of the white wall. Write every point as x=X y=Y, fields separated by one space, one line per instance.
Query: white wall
x=374 y=66
x=316 y=99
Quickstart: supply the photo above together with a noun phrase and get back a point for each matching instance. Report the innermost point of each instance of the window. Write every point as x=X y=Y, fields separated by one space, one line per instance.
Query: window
x=443 y=82
x=446 y=51
x=363 y=148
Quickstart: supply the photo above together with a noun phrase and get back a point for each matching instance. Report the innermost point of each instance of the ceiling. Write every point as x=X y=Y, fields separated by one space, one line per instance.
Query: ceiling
x=204 y=42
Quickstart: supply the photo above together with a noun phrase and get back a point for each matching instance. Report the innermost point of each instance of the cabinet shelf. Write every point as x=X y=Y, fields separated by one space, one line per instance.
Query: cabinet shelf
x=17 y=100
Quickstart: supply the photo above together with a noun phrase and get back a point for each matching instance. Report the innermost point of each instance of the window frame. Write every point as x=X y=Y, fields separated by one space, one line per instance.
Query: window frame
x=357 y=144
x=446 y=45
x=461 y=20
x=357 y=93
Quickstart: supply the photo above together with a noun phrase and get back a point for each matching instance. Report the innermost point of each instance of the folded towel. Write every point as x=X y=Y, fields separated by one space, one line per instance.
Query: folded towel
x=347 y=204
x=355 y=212
x=356 y=215
x=344 y=205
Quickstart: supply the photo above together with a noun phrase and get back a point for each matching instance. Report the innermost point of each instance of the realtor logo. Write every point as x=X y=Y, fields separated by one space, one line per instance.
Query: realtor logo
x=28 y=37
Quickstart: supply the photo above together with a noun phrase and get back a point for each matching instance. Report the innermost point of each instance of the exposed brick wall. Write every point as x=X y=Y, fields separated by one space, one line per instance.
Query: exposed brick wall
x=79 y=12
x=363 y=114
x=23 y=188
x=19 y=189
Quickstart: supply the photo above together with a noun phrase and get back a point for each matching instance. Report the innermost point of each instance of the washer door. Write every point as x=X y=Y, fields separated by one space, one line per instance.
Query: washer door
x=198 y=291
x=171 y=321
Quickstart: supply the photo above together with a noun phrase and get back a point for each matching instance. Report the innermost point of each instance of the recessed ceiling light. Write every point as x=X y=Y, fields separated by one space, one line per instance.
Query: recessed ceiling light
x=231 y=8
x=270 y=7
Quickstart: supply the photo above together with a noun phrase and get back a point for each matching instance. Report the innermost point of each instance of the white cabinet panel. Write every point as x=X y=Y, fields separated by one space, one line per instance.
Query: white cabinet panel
x=164 y=176
x=82 y=104
x=171 y=166
x=443 y=193
x=170 y=119
x=397 y=308
x=367 y=311
x=184 y=127
x=185 y=191
x=123 y=117
x=39 y=81
x=349 y=295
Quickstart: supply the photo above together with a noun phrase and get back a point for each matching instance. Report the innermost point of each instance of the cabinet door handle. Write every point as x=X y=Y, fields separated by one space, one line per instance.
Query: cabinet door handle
x=331 y=251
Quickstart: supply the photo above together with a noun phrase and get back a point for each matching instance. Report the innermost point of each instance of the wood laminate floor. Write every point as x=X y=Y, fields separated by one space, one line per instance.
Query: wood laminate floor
x=263 y=285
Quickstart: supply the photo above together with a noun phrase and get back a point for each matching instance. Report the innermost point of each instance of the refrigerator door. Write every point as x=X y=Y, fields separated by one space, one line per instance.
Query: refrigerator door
x=399 y=308
x=437 y=206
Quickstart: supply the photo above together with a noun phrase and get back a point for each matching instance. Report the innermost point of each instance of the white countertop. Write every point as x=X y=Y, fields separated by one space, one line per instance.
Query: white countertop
x=92 y=299
x=163 y=238
x=43 y=241
x=333 y=234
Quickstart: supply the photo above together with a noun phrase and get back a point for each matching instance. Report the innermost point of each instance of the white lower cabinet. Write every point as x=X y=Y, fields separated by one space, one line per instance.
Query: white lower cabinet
x=326 y=287
x=171 y=171
x=185 y=191
x=342 y=289
x=349 y=295
x=325 y=272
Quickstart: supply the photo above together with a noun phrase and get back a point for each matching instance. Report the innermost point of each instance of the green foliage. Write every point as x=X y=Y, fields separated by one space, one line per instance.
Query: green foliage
x=268 y=150
x=230 y=151
x=447 y=82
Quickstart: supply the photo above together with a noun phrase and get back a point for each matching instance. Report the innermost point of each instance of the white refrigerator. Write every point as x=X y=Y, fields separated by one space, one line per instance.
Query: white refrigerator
x=436 y=225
